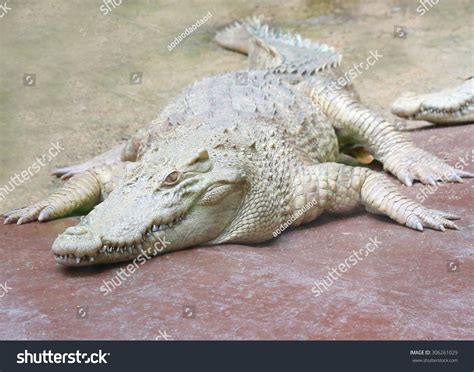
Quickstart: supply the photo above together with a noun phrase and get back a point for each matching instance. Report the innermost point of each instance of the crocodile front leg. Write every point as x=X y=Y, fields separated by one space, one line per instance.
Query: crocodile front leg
x=124 y=152
x=340 y=188
x=393 y=148
x=112 y=156
x=78 y=195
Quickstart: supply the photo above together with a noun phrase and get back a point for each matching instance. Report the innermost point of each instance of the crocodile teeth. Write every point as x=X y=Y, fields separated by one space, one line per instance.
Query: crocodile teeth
x=78 y=259
x=91 y=259
x=146 y=235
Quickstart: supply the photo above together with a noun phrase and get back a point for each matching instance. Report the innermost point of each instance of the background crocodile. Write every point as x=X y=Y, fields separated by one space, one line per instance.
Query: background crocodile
x=236 y=156
x=449 y=106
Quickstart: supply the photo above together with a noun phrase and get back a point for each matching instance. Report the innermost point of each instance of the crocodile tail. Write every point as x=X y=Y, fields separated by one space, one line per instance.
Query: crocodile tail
x=283 y=52
x=237 y=36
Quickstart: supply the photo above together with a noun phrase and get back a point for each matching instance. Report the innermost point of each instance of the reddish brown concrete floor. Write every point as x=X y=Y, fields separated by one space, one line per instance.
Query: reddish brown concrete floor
x=402 y=290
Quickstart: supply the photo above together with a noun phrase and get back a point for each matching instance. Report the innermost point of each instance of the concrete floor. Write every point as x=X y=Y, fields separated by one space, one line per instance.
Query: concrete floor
x=403 y=290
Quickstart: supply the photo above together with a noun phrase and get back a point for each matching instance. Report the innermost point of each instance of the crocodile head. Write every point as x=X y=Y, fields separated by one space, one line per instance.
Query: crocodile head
x=452 y=105
x=186 y=198
x=408 y=105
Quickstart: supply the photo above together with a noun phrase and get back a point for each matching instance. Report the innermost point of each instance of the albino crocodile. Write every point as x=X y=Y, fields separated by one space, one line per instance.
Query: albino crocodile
x=235 y=156
x=450 y=106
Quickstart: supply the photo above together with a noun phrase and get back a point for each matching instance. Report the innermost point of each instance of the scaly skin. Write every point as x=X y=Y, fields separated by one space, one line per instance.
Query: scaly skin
x=450 y=106
x=234 y=157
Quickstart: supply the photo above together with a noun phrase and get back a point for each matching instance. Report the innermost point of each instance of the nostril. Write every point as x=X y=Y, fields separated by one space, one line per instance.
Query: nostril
x=76 y=230
x=78 y=241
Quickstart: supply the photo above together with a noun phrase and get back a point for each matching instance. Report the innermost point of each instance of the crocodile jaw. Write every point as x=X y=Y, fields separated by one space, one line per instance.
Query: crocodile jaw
x=408 y=105
x=452 y=105
x=90 y=250
x=151 y=231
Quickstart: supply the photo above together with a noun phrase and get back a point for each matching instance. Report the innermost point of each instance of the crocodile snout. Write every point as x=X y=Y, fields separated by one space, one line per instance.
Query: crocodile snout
x=76 y=244
x=76 y=231
x=407 y=105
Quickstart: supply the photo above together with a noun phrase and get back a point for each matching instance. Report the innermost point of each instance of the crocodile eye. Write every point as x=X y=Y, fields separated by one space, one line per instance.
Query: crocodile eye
x=171 y=178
